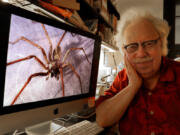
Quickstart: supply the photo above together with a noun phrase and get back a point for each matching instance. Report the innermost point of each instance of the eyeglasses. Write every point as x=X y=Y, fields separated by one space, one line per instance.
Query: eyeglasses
x=133 y=47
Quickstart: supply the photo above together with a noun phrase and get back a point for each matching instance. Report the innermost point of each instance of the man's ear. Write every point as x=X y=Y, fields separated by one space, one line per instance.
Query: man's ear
x=161 y=42
x=162 y=47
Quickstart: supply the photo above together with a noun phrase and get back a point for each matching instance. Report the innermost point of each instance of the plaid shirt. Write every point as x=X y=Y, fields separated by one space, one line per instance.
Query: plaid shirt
x=151 y=112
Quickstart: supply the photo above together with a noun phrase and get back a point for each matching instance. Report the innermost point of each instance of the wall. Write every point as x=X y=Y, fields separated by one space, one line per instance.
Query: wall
x=156 y=6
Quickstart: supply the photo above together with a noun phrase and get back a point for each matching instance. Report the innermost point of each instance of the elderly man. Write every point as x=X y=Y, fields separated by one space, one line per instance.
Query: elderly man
x=145 y=96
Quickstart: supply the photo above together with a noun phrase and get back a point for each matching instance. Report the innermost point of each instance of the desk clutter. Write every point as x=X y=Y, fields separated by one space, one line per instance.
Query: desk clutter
x=79 y=123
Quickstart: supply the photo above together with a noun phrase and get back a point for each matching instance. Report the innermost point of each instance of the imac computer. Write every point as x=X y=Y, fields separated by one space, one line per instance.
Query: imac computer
x=48 y=68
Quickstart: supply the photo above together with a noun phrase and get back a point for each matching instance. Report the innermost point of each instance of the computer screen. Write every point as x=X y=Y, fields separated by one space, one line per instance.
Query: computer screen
x=48 y=68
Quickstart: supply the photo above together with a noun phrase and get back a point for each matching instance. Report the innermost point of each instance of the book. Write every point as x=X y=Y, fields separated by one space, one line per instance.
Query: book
x=99 y=4
x=90 y=2
x=101 y=7
x=54 y=9
x=70 y=4
x=104 y=13
x=115 y=23
x=72 y=17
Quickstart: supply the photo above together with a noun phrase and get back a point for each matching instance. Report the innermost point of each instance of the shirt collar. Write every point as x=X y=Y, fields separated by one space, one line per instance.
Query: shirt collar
x=166 y=71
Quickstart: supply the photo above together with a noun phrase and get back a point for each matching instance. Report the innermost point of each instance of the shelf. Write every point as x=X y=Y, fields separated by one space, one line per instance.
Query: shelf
x=88 y=12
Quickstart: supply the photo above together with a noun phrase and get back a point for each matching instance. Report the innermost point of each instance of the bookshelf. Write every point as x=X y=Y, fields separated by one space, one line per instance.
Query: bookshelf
x=86 y=12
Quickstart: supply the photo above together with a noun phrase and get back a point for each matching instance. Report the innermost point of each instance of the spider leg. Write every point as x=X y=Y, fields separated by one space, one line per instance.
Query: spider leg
x=26 y=58
x=62 y=81
x=73 y=49
x=62 y=37
x=77 y=75
x=33 y=44
x=47 y=36
x=57 y=52
x=27 y=82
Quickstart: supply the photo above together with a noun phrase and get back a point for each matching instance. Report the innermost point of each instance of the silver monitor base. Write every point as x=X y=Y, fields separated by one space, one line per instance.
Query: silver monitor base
x=45 y=128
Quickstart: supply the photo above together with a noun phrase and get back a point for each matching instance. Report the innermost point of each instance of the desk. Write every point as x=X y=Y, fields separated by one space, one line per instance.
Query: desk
x=71 y=119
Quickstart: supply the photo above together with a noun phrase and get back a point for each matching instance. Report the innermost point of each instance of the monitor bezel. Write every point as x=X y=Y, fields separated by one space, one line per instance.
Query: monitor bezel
x=5 y=13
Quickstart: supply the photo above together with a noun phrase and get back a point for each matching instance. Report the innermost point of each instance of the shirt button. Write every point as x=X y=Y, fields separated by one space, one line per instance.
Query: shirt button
x=151 y=112
x=149 y=93
x=152 y=133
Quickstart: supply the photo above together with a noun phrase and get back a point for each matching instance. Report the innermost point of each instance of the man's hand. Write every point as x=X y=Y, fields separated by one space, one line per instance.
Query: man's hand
x=135 y=81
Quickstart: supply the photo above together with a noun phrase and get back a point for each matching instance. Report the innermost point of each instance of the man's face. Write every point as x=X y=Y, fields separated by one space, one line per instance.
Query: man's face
x=143 y=47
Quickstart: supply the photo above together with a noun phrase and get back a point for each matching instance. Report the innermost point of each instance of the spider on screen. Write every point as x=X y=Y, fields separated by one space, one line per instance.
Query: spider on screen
x=54 y=62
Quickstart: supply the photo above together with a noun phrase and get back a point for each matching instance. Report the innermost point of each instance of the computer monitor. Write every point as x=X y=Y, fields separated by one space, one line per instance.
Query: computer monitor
x=48 y=68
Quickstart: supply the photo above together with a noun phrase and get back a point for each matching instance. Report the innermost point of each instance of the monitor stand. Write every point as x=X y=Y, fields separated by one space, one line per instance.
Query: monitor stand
x=45 y=128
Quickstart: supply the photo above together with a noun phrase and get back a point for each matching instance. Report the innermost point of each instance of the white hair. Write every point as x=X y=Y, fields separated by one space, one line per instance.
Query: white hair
x=130 y=15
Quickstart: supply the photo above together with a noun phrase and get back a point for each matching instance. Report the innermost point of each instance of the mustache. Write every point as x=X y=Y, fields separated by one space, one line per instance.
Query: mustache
x=141 y=60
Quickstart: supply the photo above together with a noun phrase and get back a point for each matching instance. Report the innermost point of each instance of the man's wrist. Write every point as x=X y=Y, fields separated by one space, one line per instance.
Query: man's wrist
x=133 y=87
